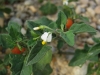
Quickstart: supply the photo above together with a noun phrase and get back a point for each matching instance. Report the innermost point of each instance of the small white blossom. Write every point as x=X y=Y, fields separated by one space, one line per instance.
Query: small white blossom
x=65 y=2
x=23 y=31
x=36 y=28
x=46 y=37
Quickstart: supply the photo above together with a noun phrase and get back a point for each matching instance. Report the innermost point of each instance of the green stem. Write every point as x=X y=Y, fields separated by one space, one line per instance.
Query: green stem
x=29 y=53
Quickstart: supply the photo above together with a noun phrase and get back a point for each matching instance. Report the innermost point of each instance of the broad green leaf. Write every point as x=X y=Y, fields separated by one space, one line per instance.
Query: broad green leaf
x=39 y=55
x=79 y=58
x=33 y=50
x=3 y=71
x=7 y=10
x=31 y=24
x=53 y=25
x=60 y=44
x=46 y=71
x=72 y=0
x=68 y=11
x=44 y=61
x=14 y=31
x=79 y=28
x=97 y=40
x=40 y=1
x=84 y=19
x=61 y=19
x=26 y=70
x=16 y=62
x=68 y=37
x=95 y=50
x=90 y=70
x=31 y=43
x=13 y=25
x=48 y=8
x=98 y=70
x=43 y=21
x=94 y=58
x=6 y=41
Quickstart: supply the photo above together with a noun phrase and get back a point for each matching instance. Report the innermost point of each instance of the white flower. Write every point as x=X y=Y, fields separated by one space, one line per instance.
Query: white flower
x=46 y=37
x=36 y=28
x=23 y=31
x=65 y=2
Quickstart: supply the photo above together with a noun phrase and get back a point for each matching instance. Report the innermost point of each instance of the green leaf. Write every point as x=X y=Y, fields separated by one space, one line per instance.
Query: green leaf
x=79 y=58
x=31 y=43
x=69 y=11
x=84 y=19
x=6 y=41
x=39 y=55
x=79 y=28
x=16 y=62
x=14 y=31
x=48 y=8
x=3 y=71
x=44 y=61
x=43 y=21
x=97 y=40
x=46 y=71
x=61 y=19
x=60 y=44
x=13 y=25
x=26 y=70
x=53 y=25
x=7 y=10
x=31 y=24
x=68 y=37
x=72 y=0
x=90 y=70
x=95 y=50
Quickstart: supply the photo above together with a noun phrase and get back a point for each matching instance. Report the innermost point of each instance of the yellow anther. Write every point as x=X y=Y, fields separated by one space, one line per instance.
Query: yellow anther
x=43 y=42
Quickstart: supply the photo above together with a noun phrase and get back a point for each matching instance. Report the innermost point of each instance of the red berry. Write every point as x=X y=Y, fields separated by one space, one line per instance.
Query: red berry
x=69 y=23
x=16 y=50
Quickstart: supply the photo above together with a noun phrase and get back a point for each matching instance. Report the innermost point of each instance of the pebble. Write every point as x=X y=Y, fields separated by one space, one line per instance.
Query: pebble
x=28 y=2
x=84 y=5
x=90 y=41
x=85 y=34
x=78 y=9
x=8 y=51
x=93 y=25
x=92 y=4
x=98 y=21
x=1 y=22
x=84 y=1
x=98 y=27
x=94 y=19
x=32 y=8
x=17 y=20
x=23 y=31
x=91 y=12
x=98 y=2
x=73 y=3
x=24 y=16
x=6 y=16
x=97 y=10
x=97 y=34
x=20 y=7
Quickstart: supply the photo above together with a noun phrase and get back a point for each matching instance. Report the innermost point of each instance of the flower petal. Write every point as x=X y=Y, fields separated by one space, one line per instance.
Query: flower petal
x=44 y=36
x=36 y=28
x=65 y=2
x=49 y=37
